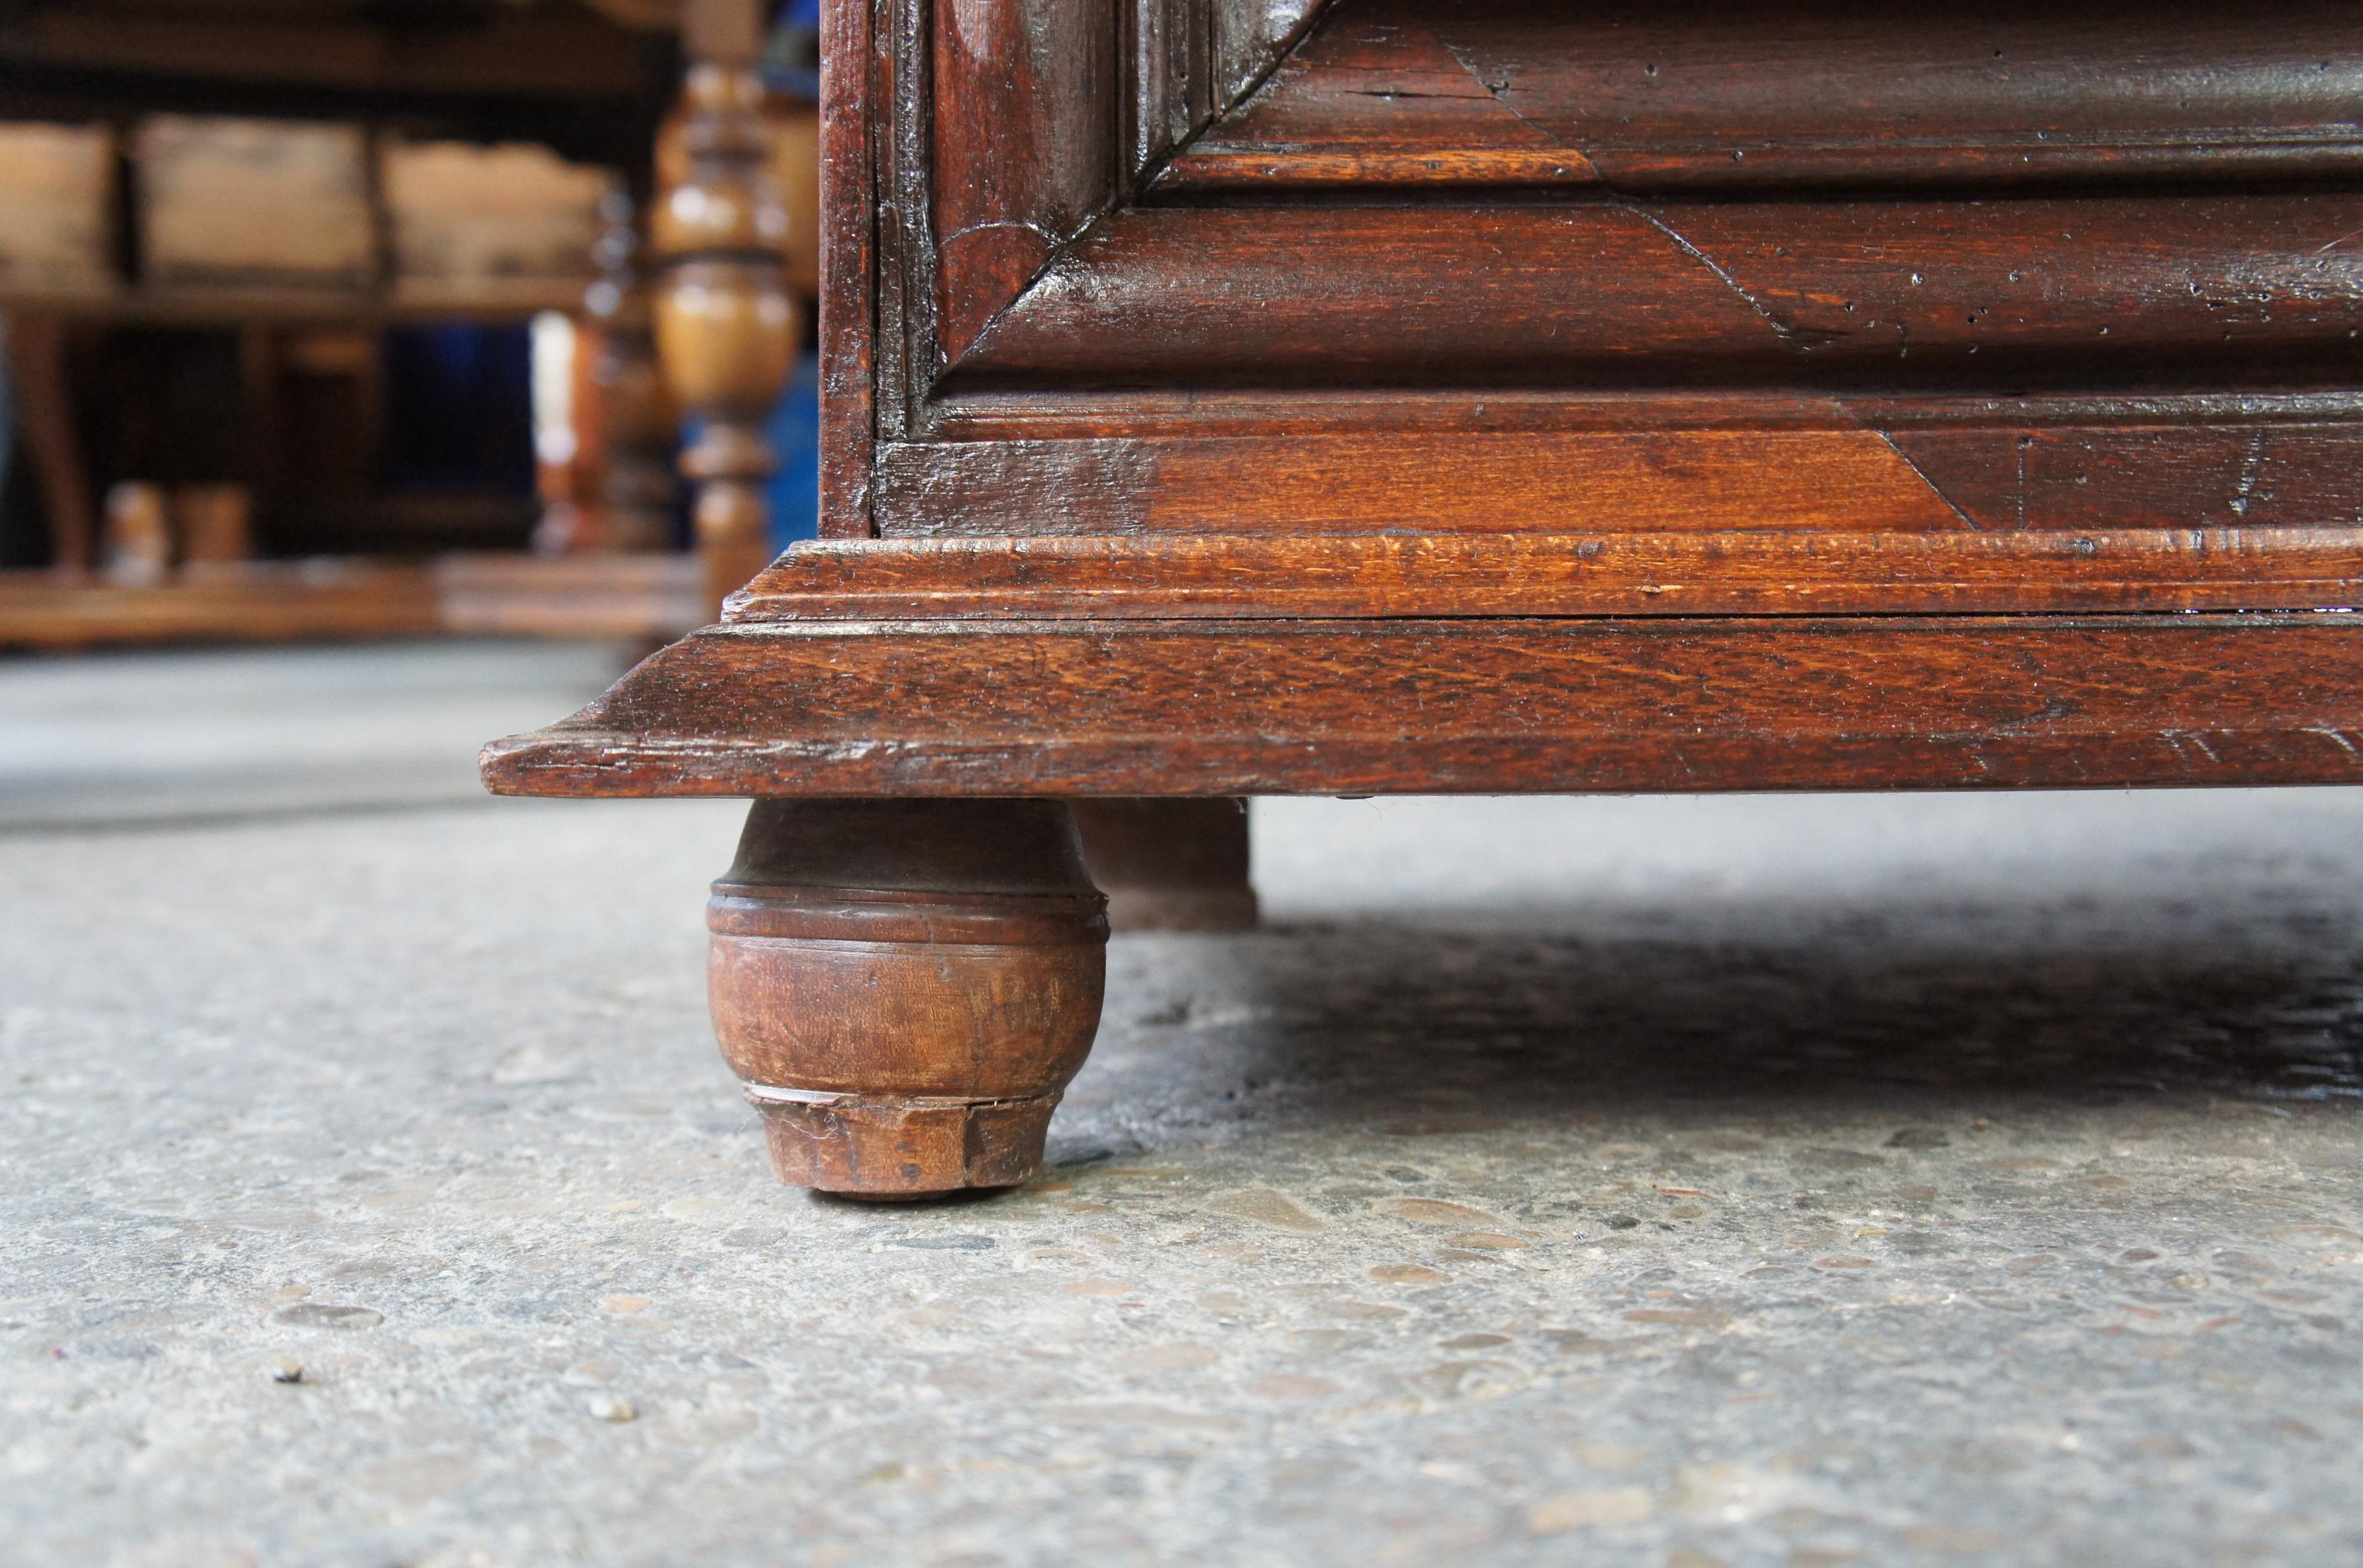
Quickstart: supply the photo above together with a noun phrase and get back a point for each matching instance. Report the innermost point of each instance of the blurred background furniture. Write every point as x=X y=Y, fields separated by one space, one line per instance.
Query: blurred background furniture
x=334 y=320
x=350 y=298
x=727 y=331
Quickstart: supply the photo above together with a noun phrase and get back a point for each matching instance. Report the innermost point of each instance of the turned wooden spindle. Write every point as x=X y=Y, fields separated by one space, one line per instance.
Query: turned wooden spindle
x=726 y=324
x=37 y=348
x=905 y=987
x=629 y=416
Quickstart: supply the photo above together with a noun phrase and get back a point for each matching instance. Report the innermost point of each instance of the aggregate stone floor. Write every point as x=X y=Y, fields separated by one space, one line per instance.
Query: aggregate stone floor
x=1785 y=1181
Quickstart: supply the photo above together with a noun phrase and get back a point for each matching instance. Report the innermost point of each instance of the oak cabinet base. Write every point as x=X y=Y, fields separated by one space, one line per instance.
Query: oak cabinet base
x=1359 y=397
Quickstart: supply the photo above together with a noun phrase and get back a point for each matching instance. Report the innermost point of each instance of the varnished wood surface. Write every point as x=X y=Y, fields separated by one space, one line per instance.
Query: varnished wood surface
x=1490 y=464
x=1365 y=490
x=1922 y=244
x=1323 y=707
x=906 y=986
x=1042 y=113
x=1671 y=94
x=1194 y=60
x=1025 y=152
x=1758 y=573
x=2173 y=290
x=849 y=266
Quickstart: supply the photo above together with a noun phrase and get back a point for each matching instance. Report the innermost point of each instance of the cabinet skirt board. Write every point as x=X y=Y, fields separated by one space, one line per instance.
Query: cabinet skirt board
x=1086 y=707
x=1428 y=576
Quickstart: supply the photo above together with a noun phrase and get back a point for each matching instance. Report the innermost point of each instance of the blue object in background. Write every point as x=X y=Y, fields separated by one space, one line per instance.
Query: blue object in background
x=791 y=58
x=459 y=408
x=793 y=494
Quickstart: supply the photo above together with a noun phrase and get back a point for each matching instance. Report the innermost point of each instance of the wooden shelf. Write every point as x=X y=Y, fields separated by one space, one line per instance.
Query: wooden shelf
x=409 y=300
x=649 y=596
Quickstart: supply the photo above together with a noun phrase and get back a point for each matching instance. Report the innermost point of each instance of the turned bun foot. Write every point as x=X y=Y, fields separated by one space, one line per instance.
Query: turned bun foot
x=905 y=987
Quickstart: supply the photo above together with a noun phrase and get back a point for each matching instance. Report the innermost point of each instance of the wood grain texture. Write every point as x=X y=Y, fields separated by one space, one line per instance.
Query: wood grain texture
x=1970 y=471
x=1758 y=573
x=2091 y=294
x=1194 y=60
x=1317 y=707
x=1676 y=94
x=1024 y=146
x=849 y=262
x=905 y=987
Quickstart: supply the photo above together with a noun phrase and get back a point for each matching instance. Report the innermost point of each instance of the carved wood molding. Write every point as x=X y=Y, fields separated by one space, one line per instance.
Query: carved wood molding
x=1119 y=216
x=1044 y=115
x=1054 y=120
x=1639 y=704
x=1443 y=576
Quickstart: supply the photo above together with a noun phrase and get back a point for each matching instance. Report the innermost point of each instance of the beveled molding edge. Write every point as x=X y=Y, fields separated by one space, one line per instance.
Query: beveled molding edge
x=1709 y=572
x=1079 y=708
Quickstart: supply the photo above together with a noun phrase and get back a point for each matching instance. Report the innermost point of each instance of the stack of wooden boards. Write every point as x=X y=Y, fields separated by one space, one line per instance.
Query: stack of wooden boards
x=54 y=184
x=223 y=202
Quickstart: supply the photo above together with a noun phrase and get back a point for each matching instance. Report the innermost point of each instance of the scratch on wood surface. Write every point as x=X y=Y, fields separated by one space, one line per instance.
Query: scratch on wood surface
x=2337 y=737
x=1934 y=488
x=1494 y=92
x=1803 y=339
x=2249 y=468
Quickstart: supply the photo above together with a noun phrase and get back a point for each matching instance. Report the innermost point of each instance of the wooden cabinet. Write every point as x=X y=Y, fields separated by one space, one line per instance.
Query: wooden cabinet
x=1242 y=396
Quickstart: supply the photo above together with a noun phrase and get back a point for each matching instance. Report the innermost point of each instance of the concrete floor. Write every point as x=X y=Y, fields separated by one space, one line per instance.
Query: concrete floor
x=1796 y=1181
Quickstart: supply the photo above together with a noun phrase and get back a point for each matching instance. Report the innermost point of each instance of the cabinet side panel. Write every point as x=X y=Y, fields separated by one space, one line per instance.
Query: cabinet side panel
x=1661 y=95
x=848 y=320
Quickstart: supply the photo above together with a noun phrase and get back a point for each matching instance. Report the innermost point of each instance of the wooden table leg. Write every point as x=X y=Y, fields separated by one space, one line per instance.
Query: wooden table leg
x=37 y=362
x=905 y=987
x=1170 y=864
x=725 y=325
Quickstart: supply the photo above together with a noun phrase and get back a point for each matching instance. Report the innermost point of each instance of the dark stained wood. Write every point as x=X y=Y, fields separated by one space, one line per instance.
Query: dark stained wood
x=1671 y=94
x=1832 y=465
x=2183 y=290
x=1025 y=149
x=944 y=708
x=1194 y=60
x=1229 y=397
x=1428 y=576
x=905 y=987
x=1178 y=413
x=848 y=261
